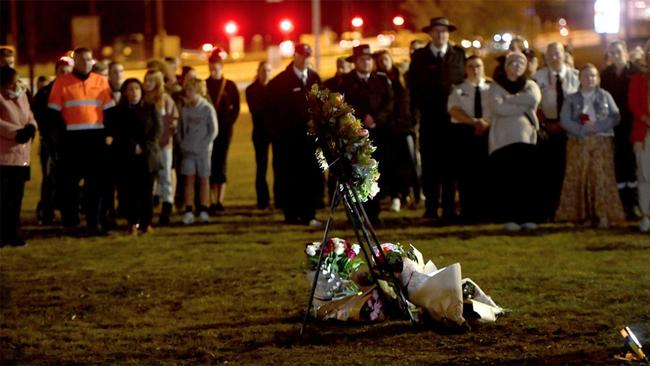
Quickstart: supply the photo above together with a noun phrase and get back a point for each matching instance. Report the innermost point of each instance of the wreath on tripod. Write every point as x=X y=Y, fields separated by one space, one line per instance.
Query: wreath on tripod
x=344 y=144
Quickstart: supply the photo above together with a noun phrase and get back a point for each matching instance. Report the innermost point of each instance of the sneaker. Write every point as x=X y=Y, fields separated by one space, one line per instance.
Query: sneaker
x=188 y=218
x=644 y=226
x=529 y=226
x=315 y=223
x=204 y=218
x=396 y=205
x=512 y=226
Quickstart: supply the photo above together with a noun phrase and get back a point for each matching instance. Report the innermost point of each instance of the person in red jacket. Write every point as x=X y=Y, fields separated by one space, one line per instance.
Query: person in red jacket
x=639 y=103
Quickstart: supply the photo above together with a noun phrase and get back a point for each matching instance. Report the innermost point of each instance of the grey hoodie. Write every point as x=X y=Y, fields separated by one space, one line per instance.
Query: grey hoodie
x=198 y=129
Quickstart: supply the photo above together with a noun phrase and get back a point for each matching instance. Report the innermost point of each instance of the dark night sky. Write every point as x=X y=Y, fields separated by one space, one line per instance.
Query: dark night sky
x=195 y=21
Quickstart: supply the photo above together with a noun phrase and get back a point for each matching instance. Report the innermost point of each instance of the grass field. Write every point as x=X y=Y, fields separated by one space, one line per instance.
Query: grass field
x=233 y=292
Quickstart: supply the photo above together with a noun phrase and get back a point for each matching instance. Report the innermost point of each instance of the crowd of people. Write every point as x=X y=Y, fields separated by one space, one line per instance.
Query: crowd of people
x=524 y=147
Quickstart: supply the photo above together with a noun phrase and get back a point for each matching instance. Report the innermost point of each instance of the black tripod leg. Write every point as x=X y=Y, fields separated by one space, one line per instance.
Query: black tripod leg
x=328 y=228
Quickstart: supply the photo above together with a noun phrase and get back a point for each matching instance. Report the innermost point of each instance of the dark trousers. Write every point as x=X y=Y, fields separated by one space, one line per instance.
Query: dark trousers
x=137 y=188
x=261 y=145
x=12 y=189
x=625 y=165
x=472 y=174
x=400 y=170
x=552 y=161
x=220 y=156
x=298 y=179
x=47 y=203
x=514 y=179
x=277 y=174
x=438 y=177
x=83 y=156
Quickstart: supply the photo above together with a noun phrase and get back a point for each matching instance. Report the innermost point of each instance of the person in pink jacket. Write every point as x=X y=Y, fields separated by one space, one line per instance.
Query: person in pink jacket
x=17 y=129
x=639 y=103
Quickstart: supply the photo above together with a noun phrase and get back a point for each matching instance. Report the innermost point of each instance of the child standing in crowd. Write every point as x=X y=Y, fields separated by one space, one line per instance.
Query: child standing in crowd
x=154 y=93
x=198 y=130
x=134 y=130
x=589 y=190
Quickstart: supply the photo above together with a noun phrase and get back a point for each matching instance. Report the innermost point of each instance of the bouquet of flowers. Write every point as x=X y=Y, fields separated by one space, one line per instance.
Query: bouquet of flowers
x=340 y=260
x=340 y=257
x=394 y=255
x=344 y=143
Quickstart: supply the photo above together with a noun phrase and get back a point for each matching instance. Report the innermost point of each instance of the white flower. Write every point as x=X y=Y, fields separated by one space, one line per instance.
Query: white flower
x=311 y=250
x=339 y=246
x=356 y=248
x=374 y=189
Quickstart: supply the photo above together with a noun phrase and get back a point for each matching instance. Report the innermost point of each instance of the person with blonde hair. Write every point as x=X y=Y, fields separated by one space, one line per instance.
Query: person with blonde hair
x=589 y=193
x=639 y=104
x=197 y=132
x=154 y=93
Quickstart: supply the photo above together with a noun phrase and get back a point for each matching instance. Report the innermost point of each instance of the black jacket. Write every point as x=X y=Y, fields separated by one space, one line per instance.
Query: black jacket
x=257 y=104
x=287 y=98
x=430 y=81
x=135 y=125
x=228 y=108
x=374 y=97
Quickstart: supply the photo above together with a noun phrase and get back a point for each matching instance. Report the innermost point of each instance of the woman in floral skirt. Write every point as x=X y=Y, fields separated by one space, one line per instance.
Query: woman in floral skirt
x=589 y=192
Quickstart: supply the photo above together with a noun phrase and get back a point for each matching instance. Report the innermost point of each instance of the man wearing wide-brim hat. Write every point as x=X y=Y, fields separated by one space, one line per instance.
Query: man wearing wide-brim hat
x=371 y=95
x=433 y=70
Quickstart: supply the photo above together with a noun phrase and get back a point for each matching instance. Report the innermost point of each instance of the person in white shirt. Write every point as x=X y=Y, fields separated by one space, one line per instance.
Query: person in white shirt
x=468 y=107
x=556 y=80
x=589 y=192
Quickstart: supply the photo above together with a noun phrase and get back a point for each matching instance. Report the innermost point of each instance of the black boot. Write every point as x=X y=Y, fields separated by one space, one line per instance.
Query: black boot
x=165 y=212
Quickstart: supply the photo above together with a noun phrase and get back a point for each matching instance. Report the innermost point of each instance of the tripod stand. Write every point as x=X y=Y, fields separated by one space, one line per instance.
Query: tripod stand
x=367 y=238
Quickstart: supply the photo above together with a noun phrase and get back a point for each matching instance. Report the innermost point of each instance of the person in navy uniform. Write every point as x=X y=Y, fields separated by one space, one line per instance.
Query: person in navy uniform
x=468 y=108
x=371 y=95
x=433 y=70
x=298 y=186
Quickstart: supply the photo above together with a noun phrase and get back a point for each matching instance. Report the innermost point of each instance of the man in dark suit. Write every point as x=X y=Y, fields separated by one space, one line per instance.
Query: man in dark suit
x=371 y=95
x=298 y=186
x=434 y=69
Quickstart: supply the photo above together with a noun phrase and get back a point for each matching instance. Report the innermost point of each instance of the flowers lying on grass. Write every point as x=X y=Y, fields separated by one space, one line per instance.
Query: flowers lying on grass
x=345 y=292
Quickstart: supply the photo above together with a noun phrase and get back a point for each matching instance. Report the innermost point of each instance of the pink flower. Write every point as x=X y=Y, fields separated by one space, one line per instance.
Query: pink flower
x=362 y=132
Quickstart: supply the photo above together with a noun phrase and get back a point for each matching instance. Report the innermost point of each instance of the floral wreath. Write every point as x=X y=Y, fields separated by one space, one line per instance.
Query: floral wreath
x=344 y=145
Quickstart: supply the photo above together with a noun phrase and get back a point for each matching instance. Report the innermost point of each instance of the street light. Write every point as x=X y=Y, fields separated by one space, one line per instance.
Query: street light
x=398 y=21
x=231 y=28
x=286 y=26
x=207 y=47
x=357 y=22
